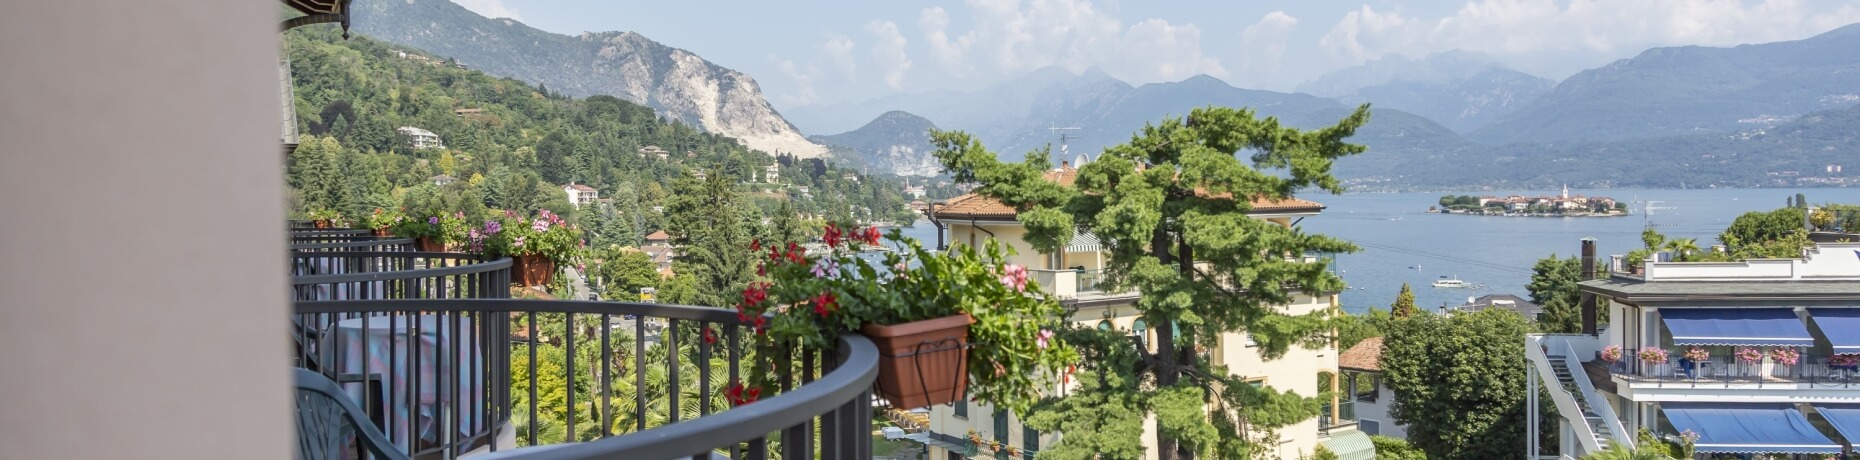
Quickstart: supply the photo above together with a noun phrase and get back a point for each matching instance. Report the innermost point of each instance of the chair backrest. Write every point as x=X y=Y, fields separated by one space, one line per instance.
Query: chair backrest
x=328 y=422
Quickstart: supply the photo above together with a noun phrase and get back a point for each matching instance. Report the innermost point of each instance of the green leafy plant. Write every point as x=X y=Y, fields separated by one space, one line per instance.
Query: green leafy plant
x=447 y=228
x=546 y=235
x=331 y=216
x=383 y=219
x=808 y=300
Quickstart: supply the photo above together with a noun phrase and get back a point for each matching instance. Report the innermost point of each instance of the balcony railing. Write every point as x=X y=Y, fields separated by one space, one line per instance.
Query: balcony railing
x=445 y=364
x=1070 y=283
x=1814 y=370
x=1346 y=417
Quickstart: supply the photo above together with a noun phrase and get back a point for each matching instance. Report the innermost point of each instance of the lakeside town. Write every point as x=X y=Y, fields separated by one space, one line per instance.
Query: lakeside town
x=1562 y=205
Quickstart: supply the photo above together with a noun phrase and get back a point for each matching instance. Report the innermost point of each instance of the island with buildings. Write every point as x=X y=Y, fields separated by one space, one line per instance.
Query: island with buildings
x=1562 y=205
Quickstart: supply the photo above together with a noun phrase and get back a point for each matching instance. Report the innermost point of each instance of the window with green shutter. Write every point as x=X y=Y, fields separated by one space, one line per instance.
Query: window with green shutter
x=962 y=407
x=1029 y=438
x=1001 y=426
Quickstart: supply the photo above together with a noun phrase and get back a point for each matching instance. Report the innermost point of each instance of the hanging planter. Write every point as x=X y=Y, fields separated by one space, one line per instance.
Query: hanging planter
x=532 y=270
x=922 y=363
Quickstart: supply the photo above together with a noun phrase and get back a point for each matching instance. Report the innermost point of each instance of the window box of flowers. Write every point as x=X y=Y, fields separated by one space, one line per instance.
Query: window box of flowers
x=382 y=222
x=326 y=218
x=435 y=233
x=536 y=246
x=946 y=324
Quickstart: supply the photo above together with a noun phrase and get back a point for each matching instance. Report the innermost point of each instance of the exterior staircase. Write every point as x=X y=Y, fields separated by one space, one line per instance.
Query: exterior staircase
x=1591 y=423
x=1566 y=378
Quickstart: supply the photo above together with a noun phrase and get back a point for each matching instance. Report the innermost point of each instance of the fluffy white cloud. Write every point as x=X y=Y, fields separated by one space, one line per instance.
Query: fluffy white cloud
x=888 y=51
x=1560 y=36
x=488 y=8
x=839 y=48
x=1262 y=48
x=803 y=77
x=1009 y=37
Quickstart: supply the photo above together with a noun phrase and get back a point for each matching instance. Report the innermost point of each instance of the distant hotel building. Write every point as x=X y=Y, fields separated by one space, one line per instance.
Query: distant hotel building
x=421 y=139
x=579 y=195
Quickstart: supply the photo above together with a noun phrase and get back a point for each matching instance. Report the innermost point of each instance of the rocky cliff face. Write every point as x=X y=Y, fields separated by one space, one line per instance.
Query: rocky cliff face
x=675 y=82
x=896 y=142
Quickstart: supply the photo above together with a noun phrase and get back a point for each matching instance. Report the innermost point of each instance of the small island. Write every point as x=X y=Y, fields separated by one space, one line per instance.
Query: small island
x=1540 y=206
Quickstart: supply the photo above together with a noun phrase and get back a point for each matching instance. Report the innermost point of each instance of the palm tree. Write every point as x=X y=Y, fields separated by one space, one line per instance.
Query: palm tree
x=1683 y=248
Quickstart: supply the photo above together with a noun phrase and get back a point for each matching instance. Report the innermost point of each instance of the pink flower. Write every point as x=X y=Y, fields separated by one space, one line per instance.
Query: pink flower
x=901 y=270
x=827 y=268
x=518 y=243
x=1014 y=276
x=1045 y=335
x=540 y=225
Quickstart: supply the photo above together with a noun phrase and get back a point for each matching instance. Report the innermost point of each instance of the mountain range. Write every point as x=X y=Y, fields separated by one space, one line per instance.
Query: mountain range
x=1435 y=118
x=676 y=83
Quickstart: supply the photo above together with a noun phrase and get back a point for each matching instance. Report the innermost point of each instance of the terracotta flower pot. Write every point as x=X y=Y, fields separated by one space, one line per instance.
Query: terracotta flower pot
x=922 y=363
x=532 y=270
x=321 y=223
x=429 y=244
x=382 y=232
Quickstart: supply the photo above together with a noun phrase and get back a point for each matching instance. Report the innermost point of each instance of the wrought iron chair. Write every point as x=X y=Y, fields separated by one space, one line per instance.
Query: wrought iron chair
x=328 y=422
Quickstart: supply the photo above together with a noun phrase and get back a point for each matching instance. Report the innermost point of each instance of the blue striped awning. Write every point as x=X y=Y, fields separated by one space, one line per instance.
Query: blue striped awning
x=1841 y=325
x=1748 y=428
x=1844 y=417
x=1775 y=327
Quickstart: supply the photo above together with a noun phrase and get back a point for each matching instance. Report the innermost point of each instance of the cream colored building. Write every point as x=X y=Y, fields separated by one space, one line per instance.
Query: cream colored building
x=1073 y=275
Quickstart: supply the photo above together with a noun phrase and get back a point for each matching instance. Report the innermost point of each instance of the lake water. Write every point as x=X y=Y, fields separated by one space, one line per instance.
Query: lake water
x=1397 y=234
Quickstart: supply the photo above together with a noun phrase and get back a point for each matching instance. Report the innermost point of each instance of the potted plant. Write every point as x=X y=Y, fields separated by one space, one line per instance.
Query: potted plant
x=382 y=222
x=1844 y=361
x=1636 y=260
x=326 y=218
x=1653 y=355
x=1749 y=355
x=1785 y=356
x=1696 y=354
x=1611 y=354
x=436 y=232
x=535 y=245
x=946 y=324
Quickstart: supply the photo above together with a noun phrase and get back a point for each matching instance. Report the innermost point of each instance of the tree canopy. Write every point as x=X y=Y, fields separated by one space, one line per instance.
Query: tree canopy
x=1170 y=205
x=1459 y=382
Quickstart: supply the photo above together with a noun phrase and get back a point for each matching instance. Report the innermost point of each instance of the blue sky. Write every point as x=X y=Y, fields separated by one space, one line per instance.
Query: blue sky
x=817 y=52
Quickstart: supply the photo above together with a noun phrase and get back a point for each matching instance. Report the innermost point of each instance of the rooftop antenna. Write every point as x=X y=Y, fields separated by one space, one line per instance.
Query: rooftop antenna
x=1647 y=209
x=1063 y=151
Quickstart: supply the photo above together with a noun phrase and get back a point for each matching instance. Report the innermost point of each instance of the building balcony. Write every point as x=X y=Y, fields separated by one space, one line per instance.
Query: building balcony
x=1076 y=284
x=444 y=364
x=1811 y=372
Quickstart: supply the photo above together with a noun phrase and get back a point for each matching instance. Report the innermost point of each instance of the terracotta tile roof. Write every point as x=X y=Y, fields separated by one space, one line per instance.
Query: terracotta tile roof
x=1365 y=356
x=658 y=236
x=581 y=188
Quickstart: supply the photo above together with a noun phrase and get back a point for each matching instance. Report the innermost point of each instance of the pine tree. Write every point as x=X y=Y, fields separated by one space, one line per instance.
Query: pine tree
x=1404 y=303
x=1165 y=205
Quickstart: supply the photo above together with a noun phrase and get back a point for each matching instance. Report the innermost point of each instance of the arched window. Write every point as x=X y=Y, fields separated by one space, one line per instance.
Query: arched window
x=1105 y=325
x=1142 y=332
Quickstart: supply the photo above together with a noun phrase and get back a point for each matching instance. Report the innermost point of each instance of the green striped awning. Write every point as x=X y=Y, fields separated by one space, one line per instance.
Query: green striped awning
x=1083 y=242
x=1351 y=444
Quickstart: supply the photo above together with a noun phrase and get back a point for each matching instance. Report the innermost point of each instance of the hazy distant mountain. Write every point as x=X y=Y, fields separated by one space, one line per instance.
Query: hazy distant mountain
x=1684 y=90
x=969 y=109
x=1459 y=89
x=675 y=82
x=896 y=142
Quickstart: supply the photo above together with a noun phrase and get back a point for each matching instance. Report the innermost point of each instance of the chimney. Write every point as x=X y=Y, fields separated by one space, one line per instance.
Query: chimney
x=1588 y=273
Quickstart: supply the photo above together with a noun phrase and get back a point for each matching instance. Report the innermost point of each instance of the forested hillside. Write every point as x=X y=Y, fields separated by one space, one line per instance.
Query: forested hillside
x=513 y=146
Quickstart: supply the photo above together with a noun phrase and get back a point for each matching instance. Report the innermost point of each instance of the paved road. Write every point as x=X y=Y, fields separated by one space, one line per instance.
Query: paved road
x=577 y=284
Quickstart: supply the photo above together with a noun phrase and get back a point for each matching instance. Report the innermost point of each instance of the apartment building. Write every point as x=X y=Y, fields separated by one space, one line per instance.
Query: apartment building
x=1760 y=356
x=1073 y=276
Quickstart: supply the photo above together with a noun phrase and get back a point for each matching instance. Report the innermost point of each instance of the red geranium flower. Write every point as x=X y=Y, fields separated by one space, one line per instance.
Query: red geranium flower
x=709 y=337
x=872 y=236
x=832 y=236
x=755 y=245
x=824 y=303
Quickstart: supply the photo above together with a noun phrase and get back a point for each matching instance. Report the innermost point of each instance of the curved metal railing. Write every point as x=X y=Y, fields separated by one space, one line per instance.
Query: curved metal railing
x=619 y=380
x=446 y=364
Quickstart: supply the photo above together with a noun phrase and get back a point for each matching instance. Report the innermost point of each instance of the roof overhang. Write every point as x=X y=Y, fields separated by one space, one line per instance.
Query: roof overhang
x=1725 y=293
x=318 y=12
